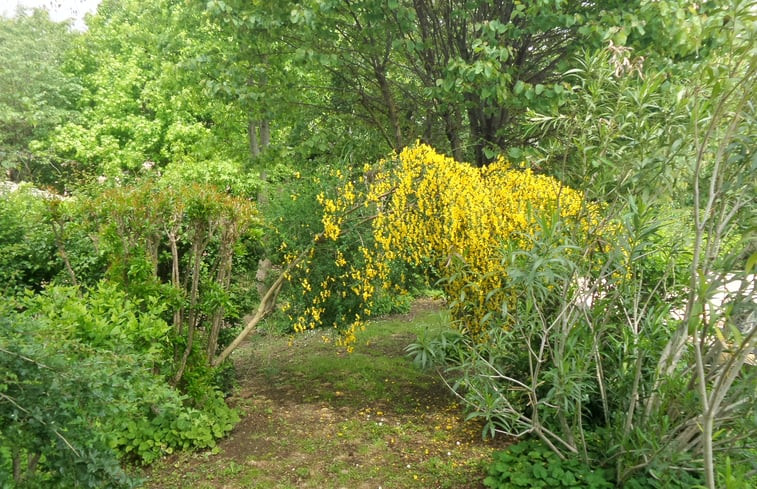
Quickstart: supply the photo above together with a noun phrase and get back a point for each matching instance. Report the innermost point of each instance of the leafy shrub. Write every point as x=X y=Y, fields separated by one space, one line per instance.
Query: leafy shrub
x=155 y=421
x=54 y=394
x=143 y=417
x=106 y=318
x=27 y=248
x=532 y=464
x=608 y=365
x=177 y=246
x=327 y=293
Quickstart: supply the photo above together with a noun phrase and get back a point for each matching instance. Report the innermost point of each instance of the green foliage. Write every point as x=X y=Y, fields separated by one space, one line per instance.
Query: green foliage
x=591 y=354
x=27 y=247
x=222 y=173
x=614 y=133
x=54 y=397
x=294 y=212
x=119 y=332
x=436 y=349
x=158 y=422
x=120 y=401
x=176 y=244
x=532 y=464
x=732 y=476
x=141 y=105
x=105 y=318
x=35 y=94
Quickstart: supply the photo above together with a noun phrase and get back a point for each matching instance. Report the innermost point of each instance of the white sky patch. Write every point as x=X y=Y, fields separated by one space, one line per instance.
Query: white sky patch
x=60 y=10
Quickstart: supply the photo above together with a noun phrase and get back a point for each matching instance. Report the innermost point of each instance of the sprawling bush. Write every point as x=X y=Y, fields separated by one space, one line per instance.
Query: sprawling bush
x=419 y=210
x=55 y=394
x=327 y=286
x=533 y=465
x=142 y=416
x=116 y=366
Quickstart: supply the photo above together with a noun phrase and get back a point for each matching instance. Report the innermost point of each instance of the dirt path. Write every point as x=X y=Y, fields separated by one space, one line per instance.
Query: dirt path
x=314 y=417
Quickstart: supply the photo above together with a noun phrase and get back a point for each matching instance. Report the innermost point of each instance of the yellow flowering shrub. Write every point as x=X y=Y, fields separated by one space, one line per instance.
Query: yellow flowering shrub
x=426 y=209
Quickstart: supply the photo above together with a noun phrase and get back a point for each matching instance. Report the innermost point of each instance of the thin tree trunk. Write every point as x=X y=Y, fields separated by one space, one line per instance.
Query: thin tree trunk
x=267 y=303
x=58 y=233
x=386 y=94
x=452 y=131
x=183 y=362
x=223 y=278
x=265 y=307
x=16 y=456
x=175 y=279
x=201 y=241
x=265 y=134
x=252 y=134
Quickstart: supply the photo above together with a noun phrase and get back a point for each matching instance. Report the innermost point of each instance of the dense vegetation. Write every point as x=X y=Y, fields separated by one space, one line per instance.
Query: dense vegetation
x=183 y=163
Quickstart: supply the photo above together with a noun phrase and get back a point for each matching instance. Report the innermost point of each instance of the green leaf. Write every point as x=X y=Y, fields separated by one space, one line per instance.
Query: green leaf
x=519 y=87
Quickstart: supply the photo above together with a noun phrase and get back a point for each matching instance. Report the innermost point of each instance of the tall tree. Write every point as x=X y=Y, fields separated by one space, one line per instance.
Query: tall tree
x=35 y=94
x=143 y=103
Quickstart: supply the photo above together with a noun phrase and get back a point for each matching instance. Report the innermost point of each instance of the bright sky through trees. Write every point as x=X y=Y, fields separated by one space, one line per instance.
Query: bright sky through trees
x=59 y=9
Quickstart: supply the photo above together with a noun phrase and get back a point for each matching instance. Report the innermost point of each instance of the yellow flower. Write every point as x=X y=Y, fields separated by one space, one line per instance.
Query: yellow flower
x=431 y=209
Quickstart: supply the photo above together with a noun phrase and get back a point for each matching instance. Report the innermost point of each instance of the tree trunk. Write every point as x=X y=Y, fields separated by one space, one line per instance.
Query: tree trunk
x=183 y=362
x=386 y=94
x=223 y=279
x=452 y=131
x=175 y=279
x=252 y=134
x=198 y=249
x=265 y=134
x=267 y=303
x=58 y=234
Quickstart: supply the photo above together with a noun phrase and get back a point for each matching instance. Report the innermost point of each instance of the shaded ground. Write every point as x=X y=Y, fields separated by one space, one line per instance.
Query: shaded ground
x=315 y=417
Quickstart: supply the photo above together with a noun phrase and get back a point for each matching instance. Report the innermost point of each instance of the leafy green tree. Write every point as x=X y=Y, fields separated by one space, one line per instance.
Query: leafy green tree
x=458 y=74
x=36 y=95
x=483 y=63
x=143 y=105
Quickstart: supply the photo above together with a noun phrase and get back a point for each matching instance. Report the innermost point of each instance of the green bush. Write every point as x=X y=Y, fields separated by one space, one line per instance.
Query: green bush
x=27 y=248
x=531 y=464
x=142 y=416
x=106 y=318
x=55 y=393
x=295 y=214
x=327 y=286
x=156 y=421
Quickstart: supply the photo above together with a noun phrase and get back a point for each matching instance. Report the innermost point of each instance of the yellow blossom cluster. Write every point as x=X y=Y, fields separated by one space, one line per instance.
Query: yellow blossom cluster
x=458 y=217
x=424 y=208
x=342 y=295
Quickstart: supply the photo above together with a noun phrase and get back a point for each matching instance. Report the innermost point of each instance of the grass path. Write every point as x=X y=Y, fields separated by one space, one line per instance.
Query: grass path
x=315 y=417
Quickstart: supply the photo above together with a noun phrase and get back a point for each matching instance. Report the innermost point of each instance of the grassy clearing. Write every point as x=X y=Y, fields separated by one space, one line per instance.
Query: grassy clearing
x=316 y=417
